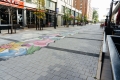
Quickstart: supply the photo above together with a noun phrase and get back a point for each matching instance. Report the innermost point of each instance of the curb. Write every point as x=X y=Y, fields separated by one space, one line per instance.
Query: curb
x=100 y=61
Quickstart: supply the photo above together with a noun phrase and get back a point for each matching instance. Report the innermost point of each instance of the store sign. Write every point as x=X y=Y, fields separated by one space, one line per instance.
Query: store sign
x=14 y=3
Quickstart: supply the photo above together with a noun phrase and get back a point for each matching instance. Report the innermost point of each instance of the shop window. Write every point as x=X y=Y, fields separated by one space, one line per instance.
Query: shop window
x=32 y=18
x=63 y=9
x=28 y=17
x=4 y=16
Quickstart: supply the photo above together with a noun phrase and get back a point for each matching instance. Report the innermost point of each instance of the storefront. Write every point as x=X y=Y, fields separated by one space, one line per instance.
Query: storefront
x=23 y=14
x=50 y=18
x=11 y=9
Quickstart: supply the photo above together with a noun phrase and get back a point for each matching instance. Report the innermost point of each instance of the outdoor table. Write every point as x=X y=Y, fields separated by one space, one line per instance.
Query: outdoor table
x=6 y=27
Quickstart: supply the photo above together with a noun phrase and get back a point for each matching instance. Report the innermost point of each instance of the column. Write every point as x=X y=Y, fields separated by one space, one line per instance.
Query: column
x=17 y=16
x=24 y=17
x=59 y=20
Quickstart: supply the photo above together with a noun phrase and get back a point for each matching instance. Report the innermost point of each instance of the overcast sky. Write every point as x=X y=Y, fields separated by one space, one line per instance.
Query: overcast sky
x=102 y=6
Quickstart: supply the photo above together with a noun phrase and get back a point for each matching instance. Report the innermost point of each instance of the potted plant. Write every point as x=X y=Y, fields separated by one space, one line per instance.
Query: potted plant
x=68 y=18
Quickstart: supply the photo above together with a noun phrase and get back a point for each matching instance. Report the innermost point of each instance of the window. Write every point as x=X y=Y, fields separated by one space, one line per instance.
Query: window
x=75 y=5
x=80 y=7
x=48 y=3
x=28 y=1
x=63 y=9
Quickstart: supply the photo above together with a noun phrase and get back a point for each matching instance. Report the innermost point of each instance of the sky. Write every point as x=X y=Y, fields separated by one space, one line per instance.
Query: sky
x=102 y=6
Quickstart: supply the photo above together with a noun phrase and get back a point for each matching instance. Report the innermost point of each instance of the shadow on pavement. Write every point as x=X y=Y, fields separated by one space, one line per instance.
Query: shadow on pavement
x=73 y=51
x=90 y=33
x=85 y=38
x=9 y=39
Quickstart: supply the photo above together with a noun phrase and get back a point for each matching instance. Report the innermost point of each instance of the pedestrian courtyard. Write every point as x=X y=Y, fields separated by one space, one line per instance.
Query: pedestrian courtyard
x=61 y=54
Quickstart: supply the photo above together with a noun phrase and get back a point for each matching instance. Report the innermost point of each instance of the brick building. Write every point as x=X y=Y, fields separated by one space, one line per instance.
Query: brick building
x=85 y=7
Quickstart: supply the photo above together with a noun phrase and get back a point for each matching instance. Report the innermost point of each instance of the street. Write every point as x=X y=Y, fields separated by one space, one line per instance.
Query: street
x=71 y=55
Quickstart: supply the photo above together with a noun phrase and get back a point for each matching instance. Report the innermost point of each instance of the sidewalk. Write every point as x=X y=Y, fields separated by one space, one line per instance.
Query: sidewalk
x=24 y=34
x=73 y=58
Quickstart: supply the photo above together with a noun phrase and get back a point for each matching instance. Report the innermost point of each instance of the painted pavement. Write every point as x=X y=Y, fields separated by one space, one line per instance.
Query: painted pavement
x=29 y=46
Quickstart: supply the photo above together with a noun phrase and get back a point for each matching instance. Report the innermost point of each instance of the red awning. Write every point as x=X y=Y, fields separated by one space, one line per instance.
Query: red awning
x=34 y=9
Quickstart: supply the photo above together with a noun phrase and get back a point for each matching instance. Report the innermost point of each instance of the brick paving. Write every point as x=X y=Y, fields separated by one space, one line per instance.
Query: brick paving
x=72 y=58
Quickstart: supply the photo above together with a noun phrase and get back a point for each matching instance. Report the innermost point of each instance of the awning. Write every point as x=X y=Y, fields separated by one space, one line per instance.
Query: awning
x=34 y=9
x=20 y=5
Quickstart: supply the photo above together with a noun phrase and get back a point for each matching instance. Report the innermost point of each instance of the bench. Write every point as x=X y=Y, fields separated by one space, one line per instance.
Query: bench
x=31 y=25
x=8 y=27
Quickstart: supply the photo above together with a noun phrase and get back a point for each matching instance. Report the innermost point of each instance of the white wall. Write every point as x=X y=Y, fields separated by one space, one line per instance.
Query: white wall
x=69 y=4
x=60 y=3
x=32 y=5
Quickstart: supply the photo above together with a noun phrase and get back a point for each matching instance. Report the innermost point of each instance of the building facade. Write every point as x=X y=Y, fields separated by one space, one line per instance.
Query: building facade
x=85 y=7
x=24 y=11
x=61 y=4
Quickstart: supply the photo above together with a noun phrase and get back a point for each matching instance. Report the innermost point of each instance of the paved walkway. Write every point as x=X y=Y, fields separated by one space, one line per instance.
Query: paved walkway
x=72 y=58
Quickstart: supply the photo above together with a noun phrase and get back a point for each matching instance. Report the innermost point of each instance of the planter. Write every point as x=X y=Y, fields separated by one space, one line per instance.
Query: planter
x=67 y=24
x=114 y=50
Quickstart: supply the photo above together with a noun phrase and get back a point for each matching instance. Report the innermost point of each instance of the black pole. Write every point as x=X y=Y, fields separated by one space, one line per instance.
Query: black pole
x=55 y=18
x=110 y=14
x=108 y=29
x=74 y=19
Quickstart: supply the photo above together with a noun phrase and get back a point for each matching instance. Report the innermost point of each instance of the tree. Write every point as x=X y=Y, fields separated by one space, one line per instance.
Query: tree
x=85 y=18
x=40 y=11
x=95 y=16
x=79 y=17
x=11 y=14
x=67 y=16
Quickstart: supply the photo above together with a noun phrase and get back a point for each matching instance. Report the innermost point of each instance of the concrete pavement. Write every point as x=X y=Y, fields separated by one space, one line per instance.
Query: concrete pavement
x=72 y=58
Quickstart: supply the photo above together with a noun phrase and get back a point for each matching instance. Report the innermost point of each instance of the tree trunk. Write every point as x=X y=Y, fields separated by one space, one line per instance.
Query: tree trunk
x=11 y=21
x=36 y=23
x=39 y=25
x=67 y=24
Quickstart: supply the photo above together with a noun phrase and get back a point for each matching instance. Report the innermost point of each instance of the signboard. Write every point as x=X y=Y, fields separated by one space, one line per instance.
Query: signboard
x=57 y=10
x=13 y=3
